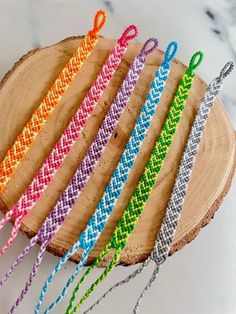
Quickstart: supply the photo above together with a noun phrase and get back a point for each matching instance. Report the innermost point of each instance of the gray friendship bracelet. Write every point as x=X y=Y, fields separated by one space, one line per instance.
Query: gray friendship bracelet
x=166 y=234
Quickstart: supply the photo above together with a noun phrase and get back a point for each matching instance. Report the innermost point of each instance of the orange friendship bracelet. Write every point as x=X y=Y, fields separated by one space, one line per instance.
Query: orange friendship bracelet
x=25 y=139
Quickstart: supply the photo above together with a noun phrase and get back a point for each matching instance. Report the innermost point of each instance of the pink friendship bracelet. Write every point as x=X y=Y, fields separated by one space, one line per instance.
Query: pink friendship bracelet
x=81 y=176
x=69 y=137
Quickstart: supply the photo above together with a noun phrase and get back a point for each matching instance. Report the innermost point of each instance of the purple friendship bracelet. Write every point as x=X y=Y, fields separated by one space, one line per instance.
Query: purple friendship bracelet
x=84 y=171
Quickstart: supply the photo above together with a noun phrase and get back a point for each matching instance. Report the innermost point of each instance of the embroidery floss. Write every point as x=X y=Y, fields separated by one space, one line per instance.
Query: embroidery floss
x=98 y=221
x=68 y=198
x=69 y=137
x=167 y=231
x=134 y=209
x=24 y=140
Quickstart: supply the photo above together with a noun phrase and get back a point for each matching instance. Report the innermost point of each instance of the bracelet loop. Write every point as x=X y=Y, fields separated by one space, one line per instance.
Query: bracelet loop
x=171 y=51
x=98 y=25
x=227 y=69
x=126 y=37
x=195 y=61
x=153 y=42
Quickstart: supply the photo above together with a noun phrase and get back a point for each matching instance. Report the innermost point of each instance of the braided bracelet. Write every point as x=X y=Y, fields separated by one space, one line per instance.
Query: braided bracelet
x=134 y=209
x=69 y=137
x=25 y=139
x=167 y=231
x=98 y=221
x=68 y=198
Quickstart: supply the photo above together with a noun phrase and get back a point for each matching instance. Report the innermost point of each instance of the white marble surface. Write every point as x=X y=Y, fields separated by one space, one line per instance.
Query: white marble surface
x=201 y=278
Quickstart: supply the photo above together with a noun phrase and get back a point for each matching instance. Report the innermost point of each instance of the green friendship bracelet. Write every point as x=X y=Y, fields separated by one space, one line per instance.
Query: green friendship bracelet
x=141 y=194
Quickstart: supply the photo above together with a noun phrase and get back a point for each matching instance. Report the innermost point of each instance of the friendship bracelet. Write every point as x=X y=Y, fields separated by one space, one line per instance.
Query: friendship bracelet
x=98 y=221
x=69 y=137
x=167 y=231
x=134 y=209
x=25 y=139
x=68 y=198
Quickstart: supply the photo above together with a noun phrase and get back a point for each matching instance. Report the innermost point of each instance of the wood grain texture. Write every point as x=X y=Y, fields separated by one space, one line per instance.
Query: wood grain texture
x=27 y=83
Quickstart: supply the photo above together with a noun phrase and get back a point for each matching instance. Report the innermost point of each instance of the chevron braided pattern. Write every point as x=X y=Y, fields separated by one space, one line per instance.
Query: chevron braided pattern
x=165 y=236
x=97 y=223
x=170 y=221
x=81 y=176
x=71 y=134
x=134 y=209
x=69 y=137
x=73 y=131
x=54 y=161
x=112 y=192
x=25 y=139
x=68 y=198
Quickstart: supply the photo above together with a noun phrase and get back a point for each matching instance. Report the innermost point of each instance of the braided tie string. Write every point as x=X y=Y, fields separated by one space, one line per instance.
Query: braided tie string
x=25 y=139
x=69 y=137
x=98 y=221
x=19 y=259
x=81 y=176
x=166 y=234
x=141 y=194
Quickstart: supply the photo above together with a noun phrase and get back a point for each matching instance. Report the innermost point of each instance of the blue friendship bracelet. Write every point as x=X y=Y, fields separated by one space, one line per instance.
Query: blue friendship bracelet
x=113 y=190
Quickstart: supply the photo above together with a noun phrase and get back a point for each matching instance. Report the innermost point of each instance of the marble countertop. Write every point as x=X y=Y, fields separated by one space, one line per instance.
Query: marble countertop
x=201 y=278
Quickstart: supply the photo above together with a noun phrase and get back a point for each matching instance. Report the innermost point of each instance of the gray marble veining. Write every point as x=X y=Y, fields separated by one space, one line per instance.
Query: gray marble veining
x=223 y=19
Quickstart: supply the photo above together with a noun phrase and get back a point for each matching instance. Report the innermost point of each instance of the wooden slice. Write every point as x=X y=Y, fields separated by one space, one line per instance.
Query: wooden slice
x=27 y=83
